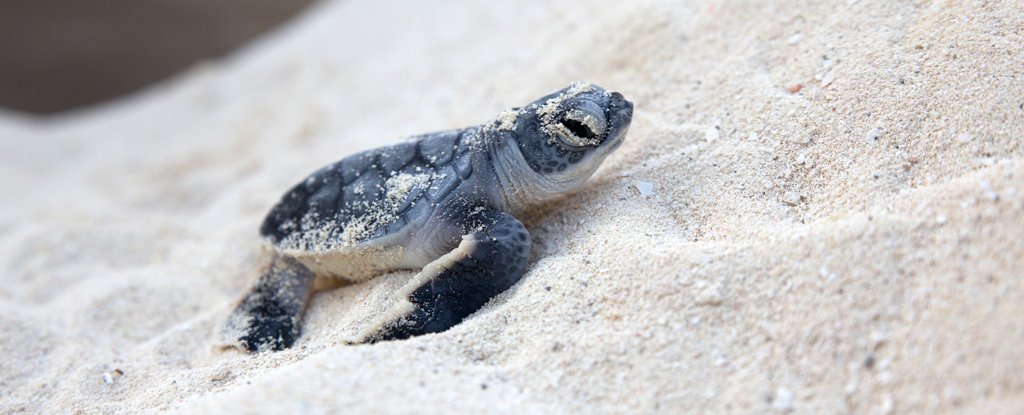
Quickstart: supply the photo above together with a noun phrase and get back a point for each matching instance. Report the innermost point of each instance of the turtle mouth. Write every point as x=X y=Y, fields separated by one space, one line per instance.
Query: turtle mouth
x=620 y=138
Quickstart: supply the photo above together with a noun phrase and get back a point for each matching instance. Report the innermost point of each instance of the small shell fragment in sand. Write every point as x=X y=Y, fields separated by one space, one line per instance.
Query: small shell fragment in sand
x=645 y=188
x=873 y=134
x=783 y=401
x=964 y=138
x=712 y=134
x=112 y=376
x=827 y=79
x=791 y=198
x=794 y=88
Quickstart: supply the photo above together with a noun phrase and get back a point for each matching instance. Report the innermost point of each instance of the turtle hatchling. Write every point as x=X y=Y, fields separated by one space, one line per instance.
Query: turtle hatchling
x=445 y=203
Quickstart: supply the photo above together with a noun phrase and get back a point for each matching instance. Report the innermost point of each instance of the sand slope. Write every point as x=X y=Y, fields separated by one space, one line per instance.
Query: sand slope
x=833 y=225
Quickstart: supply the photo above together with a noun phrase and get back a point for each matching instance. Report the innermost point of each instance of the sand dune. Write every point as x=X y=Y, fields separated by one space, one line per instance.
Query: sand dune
x=818 y=209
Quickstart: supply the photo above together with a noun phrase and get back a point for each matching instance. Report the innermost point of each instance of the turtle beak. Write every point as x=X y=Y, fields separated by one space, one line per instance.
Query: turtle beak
x=620 y=103
x=620 y=116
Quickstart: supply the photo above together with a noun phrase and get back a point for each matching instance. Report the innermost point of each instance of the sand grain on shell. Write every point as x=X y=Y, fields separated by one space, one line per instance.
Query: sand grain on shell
x=318 y=234
x=695 y=273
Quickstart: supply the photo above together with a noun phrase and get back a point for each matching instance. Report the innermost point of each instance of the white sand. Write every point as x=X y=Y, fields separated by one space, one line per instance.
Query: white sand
x=852 y=246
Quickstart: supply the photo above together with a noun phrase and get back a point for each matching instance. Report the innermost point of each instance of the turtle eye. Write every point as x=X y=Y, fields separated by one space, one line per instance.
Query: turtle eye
x=583 y=126
x=579 y=129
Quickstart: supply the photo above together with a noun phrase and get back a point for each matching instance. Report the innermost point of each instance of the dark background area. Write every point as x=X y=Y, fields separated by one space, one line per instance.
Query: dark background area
x=57 y=55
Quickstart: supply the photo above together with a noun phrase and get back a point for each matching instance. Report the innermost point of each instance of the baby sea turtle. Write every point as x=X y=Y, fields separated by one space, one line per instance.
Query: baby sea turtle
x=445 y=202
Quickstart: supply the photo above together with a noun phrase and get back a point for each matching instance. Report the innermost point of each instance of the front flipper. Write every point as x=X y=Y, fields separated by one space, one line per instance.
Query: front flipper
x=269 y=316
x=488 y=261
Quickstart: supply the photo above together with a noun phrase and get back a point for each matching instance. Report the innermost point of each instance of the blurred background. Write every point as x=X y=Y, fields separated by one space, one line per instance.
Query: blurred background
x=58 y=55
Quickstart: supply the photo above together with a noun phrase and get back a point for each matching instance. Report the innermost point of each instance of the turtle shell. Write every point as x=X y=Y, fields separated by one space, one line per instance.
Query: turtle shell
x=370 y=194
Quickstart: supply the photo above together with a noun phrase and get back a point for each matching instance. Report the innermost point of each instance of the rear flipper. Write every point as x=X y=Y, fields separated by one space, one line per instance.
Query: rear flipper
x=487 y=262
x=269 y=316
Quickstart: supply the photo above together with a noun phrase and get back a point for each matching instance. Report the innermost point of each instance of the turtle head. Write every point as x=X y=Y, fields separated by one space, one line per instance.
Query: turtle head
x=564 y=137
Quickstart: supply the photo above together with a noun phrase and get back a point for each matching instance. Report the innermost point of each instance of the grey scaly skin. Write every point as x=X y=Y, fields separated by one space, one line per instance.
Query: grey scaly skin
x=445 y=202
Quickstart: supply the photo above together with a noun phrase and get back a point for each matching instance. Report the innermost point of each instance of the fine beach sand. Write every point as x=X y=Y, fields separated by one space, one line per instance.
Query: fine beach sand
x=819 y=209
